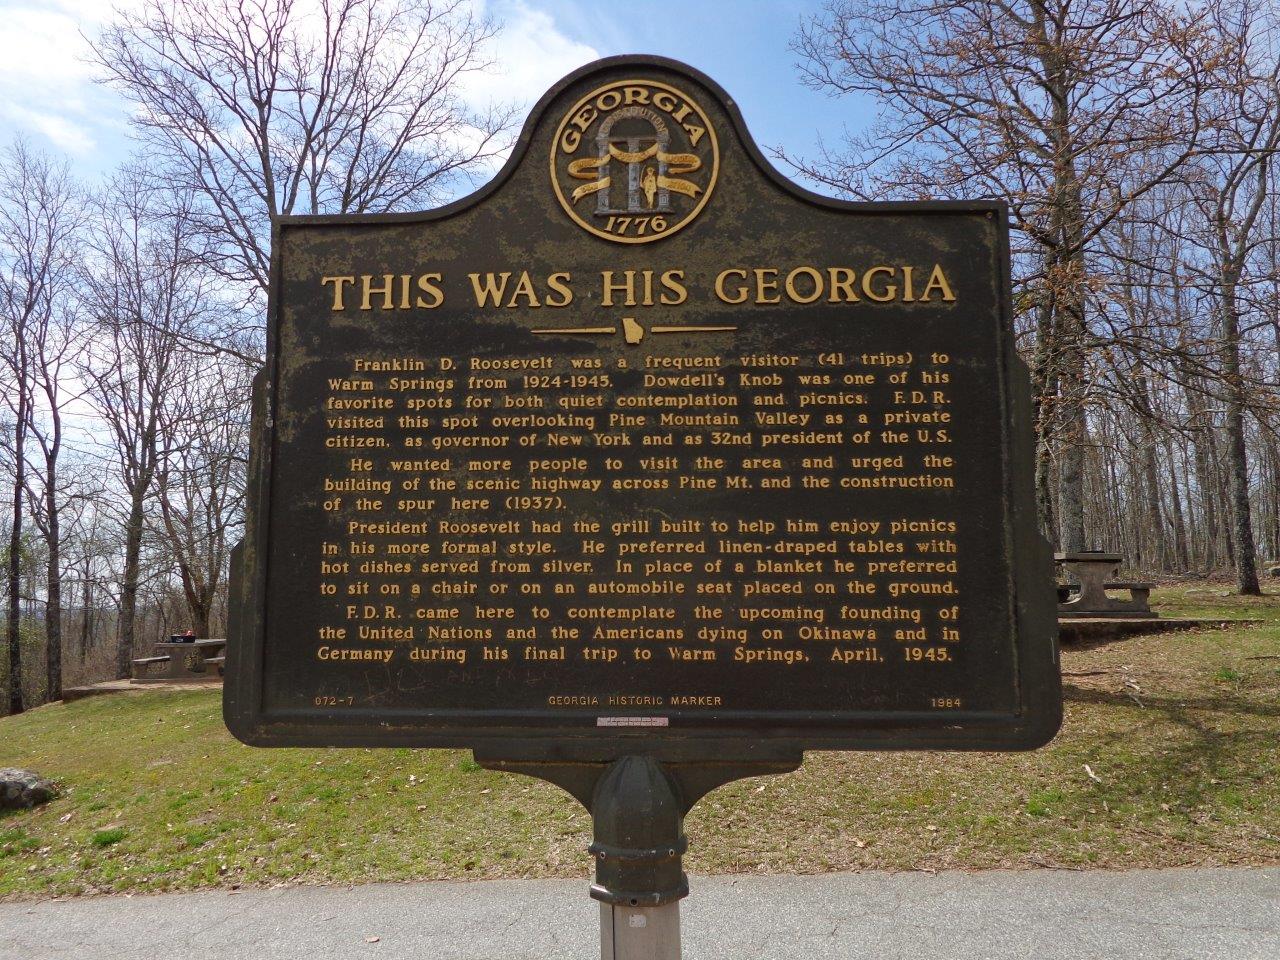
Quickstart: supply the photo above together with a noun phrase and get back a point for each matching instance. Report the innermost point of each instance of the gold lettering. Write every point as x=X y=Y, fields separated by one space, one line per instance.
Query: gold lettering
x=741 y=296
x=524 y=288
x=559 y=284
x=647 y=276
x=890 y=290
x=338 y=283
x=938 y=280
x=490 y=289
x=814 y=276
x=675 y=290
x=841 y=280
x=907 y=295
x=770 y=285
x=427 y=284
x=608 y=287
x=385 y=291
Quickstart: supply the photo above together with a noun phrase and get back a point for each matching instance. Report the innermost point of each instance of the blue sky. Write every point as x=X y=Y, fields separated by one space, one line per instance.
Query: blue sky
x=47 y=93
x=743 y=45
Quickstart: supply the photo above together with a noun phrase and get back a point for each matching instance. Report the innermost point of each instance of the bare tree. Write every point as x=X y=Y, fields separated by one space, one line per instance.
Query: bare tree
x=1068 y=109
x=144 y=289
x=57 y=339
x=200 y=483
x=1228 y=187
x=17 y=361
x=269 y=107
x=86 y=544
x=1267 y=306
x=39 y=217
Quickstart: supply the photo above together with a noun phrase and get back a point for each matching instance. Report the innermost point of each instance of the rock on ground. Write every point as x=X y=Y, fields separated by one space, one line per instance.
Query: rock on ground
x=23 y=789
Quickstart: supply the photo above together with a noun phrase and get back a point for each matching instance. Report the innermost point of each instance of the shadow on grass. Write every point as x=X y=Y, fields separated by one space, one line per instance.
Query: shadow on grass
x=1173 y=707
x=1209 y=625
x=1210 y=768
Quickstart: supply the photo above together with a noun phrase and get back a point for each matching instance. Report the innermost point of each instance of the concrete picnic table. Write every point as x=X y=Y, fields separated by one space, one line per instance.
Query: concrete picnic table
x=187 y=660
x=1094 y=570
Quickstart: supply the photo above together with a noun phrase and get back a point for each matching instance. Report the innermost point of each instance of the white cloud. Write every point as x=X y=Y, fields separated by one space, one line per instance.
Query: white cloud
x=529 y=55
x=47 y=87
x=58 y=130
x=42 y=45
x=46 y=81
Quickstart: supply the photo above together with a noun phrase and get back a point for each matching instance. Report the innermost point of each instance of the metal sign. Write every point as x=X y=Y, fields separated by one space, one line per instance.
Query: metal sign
x=642 y=448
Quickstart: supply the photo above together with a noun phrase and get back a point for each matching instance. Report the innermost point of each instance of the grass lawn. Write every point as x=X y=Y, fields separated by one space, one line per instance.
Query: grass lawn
x=1169 y=756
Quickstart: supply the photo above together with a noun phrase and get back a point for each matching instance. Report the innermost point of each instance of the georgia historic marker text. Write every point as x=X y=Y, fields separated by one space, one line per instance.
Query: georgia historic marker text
x=643 y=445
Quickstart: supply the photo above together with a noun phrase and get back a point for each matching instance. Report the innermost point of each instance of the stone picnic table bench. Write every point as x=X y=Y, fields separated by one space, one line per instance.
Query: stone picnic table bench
x=183 y=660
x=1094 y=571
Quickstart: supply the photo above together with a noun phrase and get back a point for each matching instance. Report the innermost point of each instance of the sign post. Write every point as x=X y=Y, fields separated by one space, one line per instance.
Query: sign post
x=639 y=841
x=642 y=470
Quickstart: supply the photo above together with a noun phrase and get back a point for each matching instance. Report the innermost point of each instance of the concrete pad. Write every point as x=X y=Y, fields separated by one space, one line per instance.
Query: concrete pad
x=135 y=686
x=1104 y=629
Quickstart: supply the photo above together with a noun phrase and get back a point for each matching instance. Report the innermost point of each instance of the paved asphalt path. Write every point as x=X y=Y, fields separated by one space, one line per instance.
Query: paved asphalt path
x=1232 y=914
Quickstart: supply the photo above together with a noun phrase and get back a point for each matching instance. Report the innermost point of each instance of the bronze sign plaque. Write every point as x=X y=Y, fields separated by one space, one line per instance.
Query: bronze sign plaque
x=643 y=448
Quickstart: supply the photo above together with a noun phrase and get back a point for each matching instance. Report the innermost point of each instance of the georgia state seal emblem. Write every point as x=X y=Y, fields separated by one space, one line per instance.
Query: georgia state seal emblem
x=634 y=161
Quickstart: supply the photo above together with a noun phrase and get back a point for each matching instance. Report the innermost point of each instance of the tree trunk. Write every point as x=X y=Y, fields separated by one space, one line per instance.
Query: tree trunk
x=1154 y=515
x=1071 y=475
x=1224 y=542
x=1273 y=528
x=1241 y=523
x=15 y=557
x=1200 y=423
x=1065 y=280
x=53 y=605
x=129 y=587
x=1071 y=382
x=86 y=600
x=200 y=616
x=1180 y=559
x=1242 y=541
x=1044 y=388
x=53 y=538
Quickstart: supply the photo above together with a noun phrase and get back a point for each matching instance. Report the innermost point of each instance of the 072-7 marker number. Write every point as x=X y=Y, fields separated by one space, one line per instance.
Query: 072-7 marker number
x=328 y=701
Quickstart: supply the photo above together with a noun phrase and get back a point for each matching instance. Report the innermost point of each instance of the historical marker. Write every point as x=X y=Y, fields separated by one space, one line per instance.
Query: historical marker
x=642 y=450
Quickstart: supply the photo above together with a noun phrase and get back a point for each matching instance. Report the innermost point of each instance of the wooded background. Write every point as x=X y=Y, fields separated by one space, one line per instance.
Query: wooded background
x=1134 y=142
